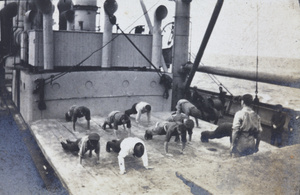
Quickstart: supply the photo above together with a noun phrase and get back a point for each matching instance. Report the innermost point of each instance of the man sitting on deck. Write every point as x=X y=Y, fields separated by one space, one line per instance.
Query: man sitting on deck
x=246 y=128
x=186 y=107
x=128 y=146
x=117 y=118
x=139 y=109
x=78 y=112
x=171 y=129
x=89 y=142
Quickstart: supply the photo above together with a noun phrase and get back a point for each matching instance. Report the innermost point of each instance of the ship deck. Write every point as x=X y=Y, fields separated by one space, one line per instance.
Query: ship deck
x=204 y=168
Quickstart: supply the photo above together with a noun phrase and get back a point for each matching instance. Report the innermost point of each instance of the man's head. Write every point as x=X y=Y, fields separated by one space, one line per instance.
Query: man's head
x=148 y=135
x=189 y=123
x=278 y=108
x=247 y=99
x=94 y=139
x=138 y=150
x=124 y=118
x=148 y=108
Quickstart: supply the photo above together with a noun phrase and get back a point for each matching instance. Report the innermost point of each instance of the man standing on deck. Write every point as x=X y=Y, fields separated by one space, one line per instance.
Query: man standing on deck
x=128 y=146
x=277 y=123
x=246 y=129
x=294 y=128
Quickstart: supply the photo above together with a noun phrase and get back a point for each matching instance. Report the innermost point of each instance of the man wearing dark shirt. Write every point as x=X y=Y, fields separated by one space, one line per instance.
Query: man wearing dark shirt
x=168 y=129
x=82 y=145
x=117 y=118
x=294 y=128
x=186 y=107
x=223 y=130
x=78 y=112
x=277 y=123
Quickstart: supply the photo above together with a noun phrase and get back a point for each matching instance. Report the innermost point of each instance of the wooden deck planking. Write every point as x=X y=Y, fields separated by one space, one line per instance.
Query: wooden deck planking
x=104 y=178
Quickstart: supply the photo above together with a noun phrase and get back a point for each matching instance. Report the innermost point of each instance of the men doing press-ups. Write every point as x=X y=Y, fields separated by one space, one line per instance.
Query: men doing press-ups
x=170 y=129
x=128 y=146
x=78 y=112
x=186 y=107
x=117 y=118
x=82 y=145
x=139 y=109
x=223 y=130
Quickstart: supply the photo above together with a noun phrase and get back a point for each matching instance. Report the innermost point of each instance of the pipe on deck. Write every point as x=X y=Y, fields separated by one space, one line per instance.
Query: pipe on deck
x=288 y=81
x=160 y=13
x=110 y=7
x=47 y=8
x=206 y=37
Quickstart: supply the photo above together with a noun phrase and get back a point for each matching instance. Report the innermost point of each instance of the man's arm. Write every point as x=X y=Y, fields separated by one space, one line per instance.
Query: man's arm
x=97 y=150
x=190 y=137
x=138 y=115
x=74 y=119
x=88 y=124
x=81 y=150
x=258 y=137
x=166 y=149
x=182 y=147
x=145 y=159
x=149 y=116
x=121 y=164
x=115 y=124
x=236 y=124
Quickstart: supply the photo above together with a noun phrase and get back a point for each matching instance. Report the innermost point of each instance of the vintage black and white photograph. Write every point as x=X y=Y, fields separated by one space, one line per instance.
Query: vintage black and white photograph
x=122 y=97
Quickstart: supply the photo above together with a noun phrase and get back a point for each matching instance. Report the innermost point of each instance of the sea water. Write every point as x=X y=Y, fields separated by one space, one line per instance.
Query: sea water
x=288 y=97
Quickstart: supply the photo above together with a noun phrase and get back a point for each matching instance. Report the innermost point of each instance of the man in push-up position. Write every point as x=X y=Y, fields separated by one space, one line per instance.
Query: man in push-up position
x=78 y=112
x=82 y=145
x=128 y=146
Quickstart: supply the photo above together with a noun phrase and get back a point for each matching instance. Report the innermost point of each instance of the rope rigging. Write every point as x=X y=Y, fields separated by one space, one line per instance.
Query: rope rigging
x=157 y=70
x=256 y=100
x=215 y=80
x=54 y=77
x=57 y=76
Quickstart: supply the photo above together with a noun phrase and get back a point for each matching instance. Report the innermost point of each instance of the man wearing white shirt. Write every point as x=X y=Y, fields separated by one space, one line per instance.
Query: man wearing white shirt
x=128 y=146
x=139 y=109
x=246 y=129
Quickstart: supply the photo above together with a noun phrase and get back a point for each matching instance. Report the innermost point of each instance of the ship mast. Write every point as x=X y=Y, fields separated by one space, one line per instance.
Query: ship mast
x=180 y=48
